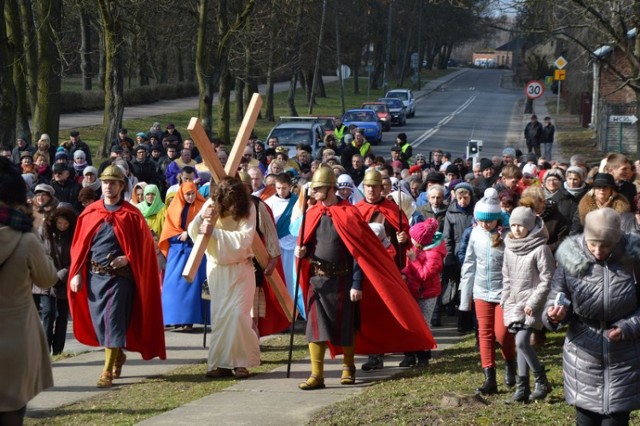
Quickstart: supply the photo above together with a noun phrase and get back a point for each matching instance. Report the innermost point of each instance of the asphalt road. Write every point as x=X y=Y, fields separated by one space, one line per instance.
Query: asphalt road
x=471 y=106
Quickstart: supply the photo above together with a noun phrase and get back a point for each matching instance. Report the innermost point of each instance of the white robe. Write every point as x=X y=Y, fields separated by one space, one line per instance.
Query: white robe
x=287 y=244
x=232 y=285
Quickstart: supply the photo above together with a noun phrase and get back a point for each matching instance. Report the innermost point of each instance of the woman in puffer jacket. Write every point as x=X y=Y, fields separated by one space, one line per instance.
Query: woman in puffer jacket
x=601 y=361
x=527 y=271
x=481 y=283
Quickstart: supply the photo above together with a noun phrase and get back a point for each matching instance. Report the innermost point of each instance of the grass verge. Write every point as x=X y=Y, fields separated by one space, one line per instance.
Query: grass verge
x=154 y=396
x=415 y=397
x=572 y=137
x=330 y=105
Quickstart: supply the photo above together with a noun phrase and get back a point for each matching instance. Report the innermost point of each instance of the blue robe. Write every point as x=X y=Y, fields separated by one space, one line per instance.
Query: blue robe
x=181 y=301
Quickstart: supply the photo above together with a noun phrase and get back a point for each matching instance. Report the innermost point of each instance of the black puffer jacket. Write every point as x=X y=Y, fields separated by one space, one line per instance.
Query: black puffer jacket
x=599 y=375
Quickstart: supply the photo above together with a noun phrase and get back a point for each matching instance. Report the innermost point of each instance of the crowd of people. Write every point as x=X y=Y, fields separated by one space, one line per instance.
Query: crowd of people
x=381 y=247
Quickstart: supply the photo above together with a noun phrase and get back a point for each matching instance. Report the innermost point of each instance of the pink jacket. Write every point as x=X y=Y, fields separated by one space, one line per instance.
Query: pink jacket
x=423 y=272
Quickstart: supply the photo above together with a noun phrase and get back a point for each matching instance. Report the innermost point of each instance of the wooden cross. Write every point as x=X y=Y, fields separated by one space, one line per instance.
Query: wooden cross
x=218 y=172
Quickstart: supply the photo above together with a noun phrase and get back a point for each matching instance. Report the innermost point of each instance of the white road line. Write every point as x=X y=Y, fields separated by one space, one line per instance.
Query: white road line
x=426 y=135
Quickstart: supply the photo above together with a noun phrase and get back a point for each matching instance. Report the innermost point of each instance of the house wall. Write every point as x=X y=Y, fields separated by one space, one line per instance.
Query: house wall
x=501 y=57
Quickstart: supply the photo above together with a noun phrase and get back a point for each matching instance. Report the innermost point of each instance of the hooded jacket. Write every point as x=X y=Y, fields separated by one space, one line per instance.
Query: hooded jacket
x=600 y=375
x=527 y=270
x=481 y=276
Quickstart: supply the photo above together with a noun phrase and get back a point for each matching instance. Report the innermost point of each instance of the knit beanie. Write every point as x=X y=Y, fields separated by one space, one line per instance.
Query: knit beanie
x=509 y=152
x=79 y=155
x=529 y=170
x=577 y=170
x=523 y=216
x=423 y=232
x=602 y=225
x=557 y=173
x=485 y=164
x=488 y=208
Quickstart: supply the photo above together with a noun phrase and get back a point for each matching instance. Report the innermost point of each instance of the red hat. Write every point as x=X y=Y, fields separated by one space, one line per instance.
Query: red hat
x=415 y=169
x=423 y=232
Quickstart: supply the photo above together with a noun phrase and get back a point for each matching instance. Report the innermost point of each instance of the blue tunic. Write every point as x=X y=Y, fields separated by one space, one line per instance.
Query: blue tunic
x=110 y=297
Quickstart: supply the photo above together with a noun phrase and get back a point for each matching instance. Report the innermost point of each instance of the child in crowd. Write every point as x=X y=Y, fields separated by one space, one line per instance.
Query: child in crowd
x=482 y=278
x=527 y=271
x=422 y=274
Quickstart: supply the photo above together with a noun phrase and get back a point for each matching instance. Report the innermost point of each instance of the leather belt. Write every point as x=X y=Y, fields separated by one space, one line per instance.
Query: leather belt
x=124 y=272
x=330 y=269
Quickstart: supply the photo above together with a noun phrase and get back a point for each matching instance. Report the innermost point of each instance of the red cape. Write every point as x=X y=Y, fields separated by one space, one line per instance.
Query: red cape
x=146 y=330
x=388 y=208
x=391 y=320
x=275 y=319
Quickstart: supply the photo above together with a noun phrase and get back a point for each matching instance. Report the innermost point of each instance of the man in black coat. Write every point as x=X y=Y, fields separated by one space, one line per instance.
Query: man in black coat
x=533 y=135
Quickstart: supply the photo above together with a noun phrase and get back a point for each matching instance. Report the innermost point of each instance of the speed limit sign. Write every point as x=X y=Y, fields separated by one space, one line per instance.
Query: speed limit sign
x=534 y=89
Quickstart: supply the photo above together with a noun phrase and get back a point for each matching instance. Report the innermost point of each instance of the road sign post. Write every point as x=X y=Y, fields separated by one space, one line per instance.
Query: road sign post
x=533 y=89
x=559 y=75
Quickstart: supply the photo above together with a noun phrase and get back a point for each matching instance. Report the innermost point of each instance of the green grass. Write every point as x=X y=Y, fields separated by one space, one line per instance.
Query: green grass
x=329 y=105
x=414 y=397
x=154 y=396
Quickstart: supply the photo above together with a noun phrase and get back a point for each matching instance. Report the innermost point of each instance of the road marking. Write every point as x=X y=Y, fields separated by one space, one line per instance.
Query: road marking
x=432 y=131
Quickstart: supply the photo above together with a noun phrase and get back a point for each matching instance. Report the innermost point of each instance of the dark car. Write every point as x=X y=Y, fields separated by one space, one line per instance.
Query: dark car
x=384 y=115
x=397 y=109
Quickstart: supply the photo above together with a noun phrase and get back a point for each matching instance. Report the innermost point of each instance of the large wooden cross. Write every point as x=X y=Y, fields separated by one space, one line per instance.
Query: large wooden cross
x=214 y=165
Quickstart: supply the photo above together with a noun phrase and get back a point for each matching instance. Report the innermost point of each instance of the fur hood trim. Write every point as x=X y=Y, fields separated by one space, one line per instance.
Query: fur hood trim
x=588 y=204
x=574 y=256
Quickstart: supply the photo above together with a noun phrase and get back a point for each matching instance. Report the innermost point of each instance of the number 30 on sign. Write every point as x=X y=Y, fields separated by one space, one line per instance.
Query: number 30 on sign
x=534 y=89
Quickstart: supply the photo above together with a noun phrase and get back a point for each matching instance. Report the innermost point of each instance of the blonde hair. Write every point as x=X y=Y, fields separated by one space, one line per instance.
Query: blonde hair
x=533 y=197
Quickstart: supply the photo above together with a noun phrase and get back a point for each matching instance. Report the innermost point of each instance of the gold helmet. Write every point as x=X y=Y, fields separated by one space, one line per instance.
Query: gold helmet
x=372 y=177
x=324 y=176
x=244 y=177
x=112 y=172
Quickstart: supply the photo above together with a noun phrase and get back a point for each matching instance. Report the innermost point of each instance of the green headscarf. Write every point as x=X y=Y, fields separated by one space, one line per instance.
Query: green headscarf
x=153 y=209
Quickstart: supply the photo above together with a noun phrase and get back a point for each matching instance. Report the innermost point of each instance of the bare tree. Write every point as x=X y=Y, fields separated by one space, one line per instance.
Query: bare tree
x=111 y=20
x=316 y=68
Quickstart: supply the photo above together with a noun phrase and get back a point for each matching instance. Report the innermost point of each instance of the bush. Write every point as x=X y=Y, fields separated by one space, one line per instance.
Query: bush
x=94 y=99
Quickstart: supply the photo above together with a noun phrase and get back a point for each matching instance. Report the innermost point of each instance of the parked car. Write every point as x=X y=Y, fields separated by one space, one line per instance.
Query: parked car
x=294 y=131
x=366 y=119
x=382 y=110
x=397 y=109
x=406 y=96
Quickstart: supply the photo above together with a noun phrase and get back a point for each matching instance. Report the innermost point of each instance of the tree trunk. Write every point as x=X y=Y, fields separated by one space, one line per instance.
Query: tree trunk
x=30 y=51
x=295 y=64
x=46 y=117
x=205 y=83
x=270 y=109
x=420 y=43
x=316 y=67
x=224 y=103
x=339 y=60
x=101 y=60
x=387 y=62
x=112 y=24
x=85 y=49
x=7 y=93
x=240 y=85
x=14 y=39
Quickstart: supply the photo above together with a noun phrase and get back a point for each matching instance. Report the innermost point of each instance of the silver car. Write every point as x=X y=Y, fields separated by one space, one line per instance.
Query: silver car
x=406 y=96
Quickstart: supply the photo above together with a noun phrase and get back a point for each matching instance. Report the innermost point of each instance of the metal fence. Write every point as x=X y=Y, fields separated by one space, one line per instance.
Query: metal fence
x=617 y=137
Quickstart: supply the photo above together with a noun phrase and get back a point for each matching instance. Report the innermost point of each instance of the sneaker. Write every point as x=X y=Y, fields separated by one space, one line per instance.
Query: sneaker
x=373 y=363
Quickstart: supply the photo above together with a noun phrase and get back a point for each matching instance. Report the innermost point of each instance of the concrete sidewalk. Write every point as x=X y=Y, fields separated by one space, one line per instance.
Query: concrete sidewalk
x=268 y=398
